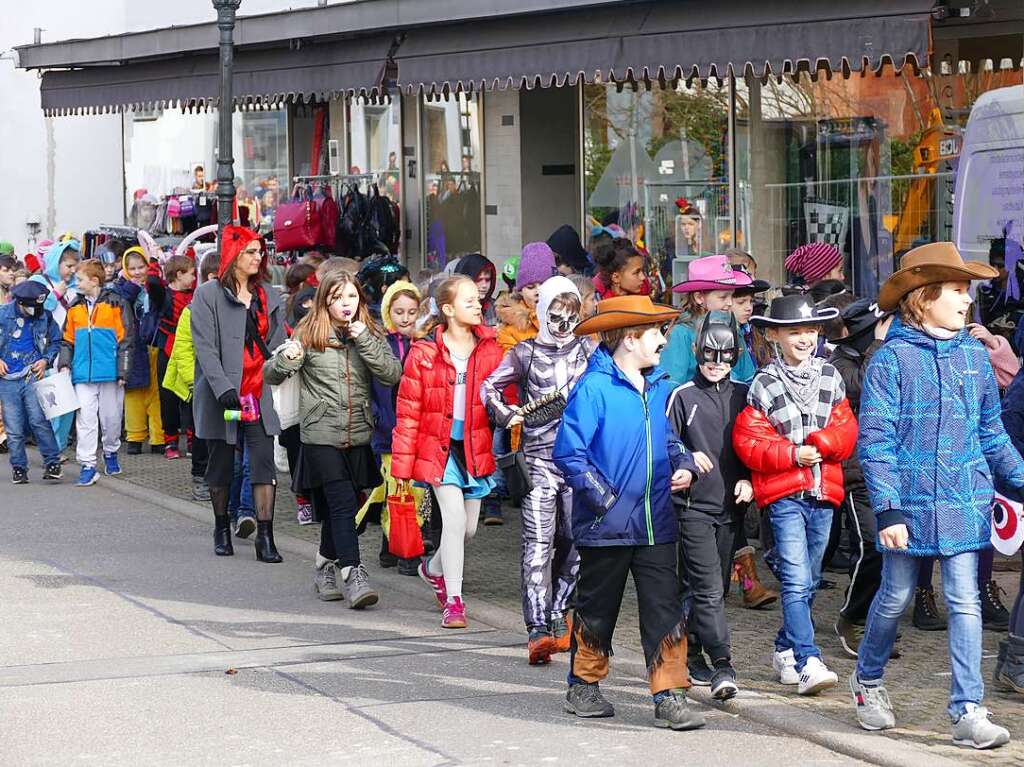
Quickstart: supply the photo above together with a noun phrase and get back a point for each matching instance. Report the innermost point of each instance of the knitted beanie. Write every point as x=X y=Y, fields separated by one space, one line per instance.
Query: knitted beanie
x=813 y=261
x=535 y=265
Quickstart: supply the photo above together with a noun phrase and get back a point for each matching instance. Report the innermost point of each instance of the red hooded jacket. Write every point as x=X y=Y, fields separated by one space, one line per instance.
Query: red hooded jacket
x=422 y=435
x=771 y=457
x=235 y=240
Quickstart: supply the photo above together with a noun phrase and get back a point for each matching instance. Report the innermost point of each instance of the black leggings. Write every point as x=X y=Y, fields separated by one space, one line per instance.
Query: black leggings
x=170 y=403
x=338 y=504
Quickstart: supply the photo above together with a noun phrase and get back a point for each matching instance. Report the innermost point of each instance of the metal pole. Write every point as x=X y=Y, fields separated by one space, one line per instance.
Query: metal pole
x=226 y=10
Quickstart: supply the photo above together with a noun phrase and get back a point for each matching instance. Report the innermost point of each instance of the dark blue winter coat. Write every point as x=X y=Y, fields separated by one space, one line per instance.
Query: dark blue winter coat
x=1013 y=411
x=46 y=334
x=138 y=365
x=932 y=443
x=383 y=399
x=617 y=451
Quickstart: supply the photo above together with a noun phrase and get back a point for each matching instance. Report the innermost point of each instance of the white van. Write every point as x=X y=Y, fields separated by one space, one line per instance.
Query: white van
x=989 y=201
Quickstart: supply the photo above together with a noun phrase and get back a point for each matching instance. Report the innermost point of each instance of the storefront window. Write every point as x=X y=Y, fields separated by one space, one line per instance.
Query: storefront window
x=375 y=148
x=452 y=177
x=656 y=164
x=867 y=163
x=172 y=155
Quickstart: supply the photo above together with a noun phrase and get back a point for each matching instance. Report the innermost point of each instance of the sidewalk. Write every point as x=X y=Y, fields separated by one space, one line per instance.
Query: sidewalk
x=918 y=682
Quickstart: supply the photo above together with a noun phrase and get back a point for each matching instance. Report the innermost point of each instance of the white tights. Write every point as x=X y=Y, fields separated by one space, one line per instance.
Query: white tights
x=459 y=517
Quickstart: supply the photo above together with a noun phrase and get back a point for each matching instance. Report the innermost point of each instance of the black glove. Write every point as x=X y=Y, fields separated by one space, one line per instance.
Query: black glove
x=229 y=400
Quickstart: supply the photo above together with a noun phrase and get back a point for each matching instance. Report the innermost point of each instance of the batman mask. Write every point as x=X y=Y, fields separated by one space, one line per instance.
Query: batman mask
x=718 y=339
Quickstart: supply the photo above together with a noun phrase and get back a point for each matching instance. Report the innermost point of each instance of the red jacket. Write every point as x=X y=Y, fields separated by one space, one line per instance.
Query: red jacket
x=771 y=457
x=419 y=445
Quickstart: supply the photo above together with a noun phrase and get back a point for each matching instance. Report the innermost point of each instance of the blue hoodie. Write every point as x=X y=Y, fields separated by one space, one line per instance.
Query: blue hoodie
x=932 y=442
x=617 y=451
x=51 y=276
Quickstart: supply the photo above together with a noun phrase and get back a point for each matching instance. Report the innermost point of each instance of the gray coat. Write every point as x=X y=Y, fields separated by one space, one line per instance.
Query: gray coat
x=218 y=334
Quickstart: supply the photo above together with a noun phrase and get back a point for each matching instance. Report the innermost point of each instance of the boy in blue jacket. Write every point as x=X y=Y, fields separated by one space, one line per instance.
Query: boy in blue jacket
x=622 y=460
x=932 y=446
x=29 y=343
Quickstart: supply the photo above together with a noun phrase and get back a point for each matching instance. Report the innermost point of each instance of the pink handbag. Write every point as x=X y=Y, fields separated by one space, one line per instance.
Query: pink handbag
x=297 y=224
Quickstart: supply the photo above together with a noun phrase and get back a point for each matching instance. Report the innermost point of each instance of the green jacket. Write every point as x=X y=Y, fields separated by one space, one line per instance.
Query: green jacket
x=334 y=388
x=181 y=366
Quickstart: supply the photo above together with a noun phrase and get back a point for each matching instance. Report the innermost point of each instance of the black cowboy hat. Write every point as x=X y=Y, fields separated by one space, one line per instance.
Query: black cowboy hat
x=860 y=317
x=797 y=309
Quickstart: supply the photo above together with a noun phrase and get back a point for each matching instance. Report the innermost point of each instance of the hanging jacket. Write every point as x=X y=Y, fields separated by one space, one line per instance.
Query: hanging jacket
x=932 y=442
x=536 y=369
x=422 y=436
x=180 y=375
x=98 y=339
x=138 y=367
x=334 y=387
x=702 y=414
x=617 y=452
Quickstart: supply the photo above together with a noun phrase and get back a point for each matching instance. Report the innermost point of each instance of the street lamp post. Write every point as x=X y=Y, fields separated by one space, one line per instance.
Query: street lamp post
x=226 y=10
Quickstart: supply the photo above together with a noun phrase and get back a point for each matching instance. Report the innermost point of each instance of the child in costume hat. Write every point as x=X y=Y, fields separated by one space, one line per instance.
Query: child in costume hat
x=622 y=460
x=702 y=412
x=794 y=435
x=709 y=287
x=932 y=445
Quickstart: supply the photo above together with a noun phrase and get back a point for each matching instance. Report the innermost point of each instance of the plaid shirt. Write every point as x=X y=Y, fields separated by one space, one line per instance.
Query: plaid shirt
x=769 y=395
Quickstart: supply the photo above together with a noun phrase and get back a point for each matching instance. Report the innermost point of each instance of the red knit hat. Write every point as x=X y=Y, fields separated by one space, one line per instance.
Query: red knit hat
x=814 y=260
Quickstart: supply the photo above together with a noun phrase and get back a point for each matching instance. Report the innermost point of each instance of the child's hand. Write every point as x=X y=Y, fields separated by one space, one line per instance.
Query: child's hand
x=681 y=480
x=356 y=329
x=292 y=350
x=744 y=491
x=3 y=368
x=516 y=419
x=807 y=455
x=38 y=368
x=981 y=333
x=704 y=464
x=894 y=537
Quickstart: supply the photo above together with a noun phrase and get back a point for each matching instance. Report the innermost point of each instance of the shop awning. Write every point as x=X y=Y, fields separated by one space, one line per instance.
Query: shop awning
x=261 y=76
x=652 y=40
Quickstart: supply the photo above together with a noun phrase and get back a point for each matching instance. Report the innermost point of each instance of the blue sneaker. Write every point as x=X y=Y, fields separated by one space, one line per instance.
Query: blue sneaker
x=87 y=476
x=111 y=466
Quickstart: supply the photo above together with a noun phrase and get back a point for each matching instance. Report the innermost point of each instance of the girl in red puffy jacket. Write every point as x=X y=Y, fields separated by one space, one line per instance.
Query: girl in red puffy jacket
x=442 y=437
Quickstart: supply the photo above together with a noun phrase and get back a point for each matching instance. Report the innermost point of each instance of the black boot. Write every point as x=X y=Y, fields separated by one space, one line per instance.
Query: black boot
x=1004 y=645
x=222 y=536
x=386 y=558
x=1010 y=675
x=266 y=551
x=994 y=615
x=926 y=612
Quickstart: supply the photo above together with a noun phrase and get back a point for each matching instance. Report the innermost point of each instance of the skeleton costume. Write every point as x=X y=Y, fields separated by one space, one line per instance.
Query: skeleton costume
x=552 y=362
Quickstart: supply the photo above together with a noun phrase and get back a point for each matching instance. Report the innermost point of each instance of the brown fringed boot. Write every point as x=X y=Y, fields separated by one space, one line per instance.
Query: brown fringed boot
x=755 y=594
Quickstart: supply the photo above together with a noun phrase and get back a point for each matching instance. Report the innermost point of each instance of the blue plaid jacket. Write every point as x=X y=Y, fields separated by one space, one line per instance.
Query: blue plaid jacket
x=932 y=442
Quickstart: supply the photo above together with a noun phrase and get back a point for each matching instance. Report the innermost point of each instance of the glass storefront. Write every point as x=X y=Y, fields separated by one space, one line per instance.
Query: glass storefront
x=452 y=177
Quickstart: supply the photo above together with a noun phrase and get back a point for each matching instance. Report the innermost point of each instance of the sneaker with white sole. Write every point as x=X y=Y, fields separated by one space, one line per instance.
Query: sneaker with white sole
x=784 y=665
x=815 y=677
x=874 y=711
x=975 y=729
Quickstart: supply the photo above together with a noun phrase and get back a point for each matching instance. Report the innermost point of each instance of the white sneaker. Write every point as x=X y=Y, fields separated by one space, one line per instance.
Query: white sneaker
x=974 y=729
x=874 y=711
x=784 y=665
x=815 y=677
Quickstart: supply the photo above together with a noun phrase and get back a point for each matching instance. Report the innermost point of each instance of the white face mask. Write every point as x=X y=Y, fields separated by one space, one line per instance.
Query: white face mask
x=561 y=323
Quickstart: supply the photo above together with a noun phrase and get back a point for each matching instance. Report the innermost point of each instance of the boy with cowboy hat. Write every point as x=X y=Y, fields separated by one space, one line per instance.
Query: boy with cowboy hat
x=794 y=434
x=622 y=460
x=932 y=446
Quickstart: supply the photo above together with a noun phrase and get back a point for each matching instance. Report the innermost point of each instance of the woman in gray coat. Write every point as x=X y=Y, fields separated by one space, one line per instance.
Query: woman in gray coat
x=236 y=321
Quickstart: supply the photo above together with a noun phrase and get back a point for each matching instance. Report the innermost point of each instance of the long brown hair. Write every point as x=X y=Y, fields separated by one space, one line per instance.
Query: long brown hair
x=444 y=294
x=316 y=329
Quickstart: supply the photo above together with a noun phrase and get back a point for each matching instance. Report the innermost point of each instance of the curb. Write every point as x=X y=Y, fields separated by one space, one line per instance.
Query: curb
x=832 y=734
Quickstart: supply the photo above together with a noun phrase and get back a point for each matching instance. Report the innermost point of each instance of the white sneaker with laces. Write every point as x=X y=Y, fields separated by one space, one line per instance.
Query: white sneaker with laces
x=975 y=729
x=874 y=711
x=784 y=665
x=815 y=677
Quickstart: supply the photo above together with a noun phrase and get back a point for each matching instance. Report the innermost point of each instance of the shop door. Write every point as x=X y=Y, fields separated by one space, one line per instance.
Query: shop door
x=550 y=178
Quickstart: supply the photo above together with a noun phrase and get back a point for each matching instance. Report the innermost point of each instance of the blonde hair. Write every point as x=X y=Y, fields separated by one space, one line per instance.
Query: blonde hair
x=444 y=295
x=316 y=329
x=915 y=303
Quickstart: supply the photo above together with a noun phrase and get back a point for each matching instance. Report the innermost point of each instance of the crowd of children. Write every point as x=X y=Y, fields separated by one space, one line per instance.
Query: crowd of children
x=635 y=436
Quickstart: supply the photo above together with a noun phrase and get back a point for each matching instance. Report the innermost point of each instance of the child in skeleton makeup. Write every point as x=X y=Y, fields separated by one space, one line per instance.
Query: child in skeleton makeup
x=702 y=412
x=549 y=364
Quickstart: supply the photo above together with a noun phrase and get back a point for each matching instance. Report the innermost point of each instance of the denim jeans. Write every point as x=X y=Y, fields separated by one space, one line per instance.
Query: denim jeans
x=801 y=528
x=21 y=414
x=240 y=502
x=499 y=446
x=963 y=606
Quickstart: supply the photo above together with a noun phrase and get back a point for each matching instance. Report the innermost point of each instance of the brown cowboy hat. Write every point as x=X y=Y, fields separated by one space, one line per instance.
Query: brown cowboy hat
x=625 y=312
x=927 y=265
